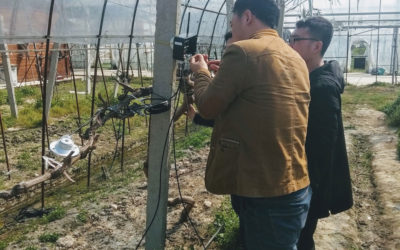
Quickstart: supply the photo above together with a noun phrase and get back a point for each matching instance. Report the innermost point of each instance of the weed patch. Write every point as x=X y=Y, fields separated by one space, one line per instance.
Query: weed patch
x=228 y=237
x=196 y=139
x=82 y=217
x=49 y=237
x=56 y=214
x=3 y=245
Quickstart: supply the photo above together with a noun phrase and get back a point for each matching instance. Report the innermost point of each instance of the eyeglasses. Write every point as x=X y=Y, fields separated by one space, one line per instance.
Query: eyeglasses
x=292 y=40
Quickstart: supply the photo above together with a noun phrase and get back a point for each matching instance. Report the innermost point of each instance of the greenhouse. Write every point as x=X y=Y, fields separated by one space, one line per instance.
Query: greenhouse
x=99 y=149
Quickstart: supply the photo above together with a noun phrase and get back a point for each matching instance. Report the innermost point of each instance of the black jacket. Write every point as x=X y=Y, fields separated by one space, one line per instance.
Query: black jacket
x=325 y=144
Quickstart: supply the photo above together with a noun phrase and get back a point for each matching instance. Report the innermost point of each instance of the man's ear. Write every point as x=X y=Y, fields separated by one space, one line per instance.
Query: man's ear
x=247 y=16
x=317 y=47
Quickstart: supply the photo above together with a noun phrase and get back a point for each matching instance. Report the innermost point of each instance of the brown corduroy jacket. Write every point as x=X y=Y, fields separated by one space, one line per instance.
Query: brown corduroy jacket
x=259 y=100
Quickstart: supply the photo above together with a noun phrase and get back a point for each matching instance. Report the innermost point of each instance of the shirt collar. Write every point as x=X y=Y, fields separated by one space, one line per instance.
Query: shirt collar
x=264 y=32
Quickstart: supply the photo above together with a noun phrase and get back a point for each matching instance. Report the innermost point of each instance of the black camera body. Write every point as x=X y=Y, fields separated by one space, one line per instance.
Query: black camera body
x=183 y=46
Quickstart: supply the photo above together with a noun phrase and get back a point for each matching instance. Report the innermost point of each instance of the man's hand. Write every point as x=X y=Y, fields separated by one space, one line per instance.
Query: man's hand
x=191 y=112
x=197 y=62
x=213 y=65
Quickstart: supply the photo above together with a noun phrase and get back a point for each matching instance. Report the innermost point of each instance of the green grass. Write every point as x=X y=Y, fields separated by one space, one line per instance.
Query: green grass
x=228 y=237
x=196 y=139
x=82 y=217
x=31 y=248
x=376 y=96
x=3 y=245
x=56 y=214
x=49 y=237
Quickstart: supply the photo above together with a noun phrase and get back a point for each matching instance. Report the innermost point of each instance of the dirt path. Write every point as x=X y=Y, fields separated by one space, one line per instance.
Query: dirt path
x=374 y=221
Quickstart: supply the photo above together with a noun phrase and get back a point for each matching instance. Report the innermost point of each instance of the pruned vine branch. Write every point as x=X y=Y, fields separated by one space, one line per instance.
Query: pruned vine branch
x=67 y=162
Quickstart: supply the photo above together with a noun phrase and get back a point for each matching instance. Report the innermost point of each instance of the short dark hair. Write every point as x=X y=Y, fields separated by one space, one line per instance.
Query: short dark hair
x=265 y=10
x=319 y=28
x=227 y=36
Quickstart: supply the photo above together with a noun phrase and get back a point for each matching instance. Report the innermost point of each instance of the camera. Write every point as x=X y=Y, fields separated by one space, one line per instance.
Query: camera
x=183 y=48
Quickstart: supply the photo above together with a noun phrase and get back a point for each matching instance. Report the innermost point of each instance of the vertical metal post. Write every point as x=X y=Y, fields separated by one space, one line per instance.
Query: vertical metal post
x=281 y=5
x=95 y=81
x=139 y=64
x=394 y=61
x=229 y=8
x=310 y=6
x=87 y=69
x=52 y=77
x=377 y=44
x=8 y=75
x=123 y=145
x=5 y=147
x=167 y=24
x=348 y=42
x=44 y=118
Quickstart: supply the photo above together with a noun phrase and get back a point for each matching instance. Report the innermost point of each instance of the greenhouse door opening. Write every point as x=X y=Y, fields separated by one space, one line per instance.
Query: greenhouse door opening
x=359 y=63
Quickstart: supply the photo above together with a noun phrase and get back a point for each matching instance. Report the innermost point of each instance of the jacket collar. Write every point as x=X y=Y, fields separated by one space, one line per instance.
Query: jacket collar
x=264 y=32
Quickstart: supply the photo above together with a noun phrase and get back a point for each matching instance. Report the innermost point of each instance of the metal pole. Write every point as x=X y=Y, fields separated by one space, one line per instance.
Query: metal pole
x=139 y=64
x=5 y=147
x=348 y=43
x=52 y=77
x=75 y=92
x=130 y=40
x=160 y=126
x=44 y=118
x=377 y=45
x=229 y=8
x=38 y=69
x=279 y=28
x=95 y=81
x=123 y=145
x=8 y=75
x=87 y=69
x=183 y=15
x=394 y=54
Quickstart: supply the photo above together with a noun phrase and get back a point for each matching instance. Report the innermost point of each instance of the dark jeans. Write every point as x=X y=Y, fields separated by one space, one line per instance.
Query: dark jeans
x=306 y=240
x=272 y=223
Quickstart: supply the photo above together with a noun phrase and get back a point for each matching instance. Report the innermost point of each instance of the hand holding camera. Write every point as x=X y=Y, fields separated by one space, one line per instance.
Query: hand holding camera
x=198 y=62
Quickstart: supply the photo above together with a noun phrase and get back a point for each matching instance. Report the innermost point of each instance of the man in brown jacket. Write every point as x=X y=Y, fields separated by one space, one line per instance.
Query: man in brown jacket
x=259 y=100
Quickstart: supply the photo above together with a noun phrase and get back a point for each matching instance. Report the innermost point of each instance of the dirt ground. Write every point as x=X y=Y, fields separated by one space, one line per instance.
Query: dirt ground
x=117 y=221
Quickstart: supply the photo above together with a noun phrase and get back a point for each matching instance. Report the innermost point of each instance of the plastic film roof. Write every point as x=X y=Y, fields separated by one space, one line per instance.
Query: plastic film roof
x=78 y=21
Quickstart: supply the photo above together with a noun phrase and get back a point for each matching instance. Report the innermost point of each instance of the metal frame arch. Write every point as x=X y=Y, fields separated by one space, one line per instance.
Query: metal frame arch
x=131 y=37
x=183 y=15
x=201 y=17
x=215 y=25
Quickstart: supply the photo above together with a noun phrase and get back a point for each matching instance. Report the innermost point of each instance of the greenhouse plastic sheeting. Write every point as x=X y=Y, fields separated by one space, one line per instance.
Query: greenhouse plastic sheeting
x=78 y=21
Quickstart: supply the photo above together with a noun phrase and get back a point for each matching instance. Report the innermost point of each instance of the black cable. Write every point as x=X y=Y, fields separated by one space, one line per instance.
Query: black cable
x=180 y=193
x=159 y=188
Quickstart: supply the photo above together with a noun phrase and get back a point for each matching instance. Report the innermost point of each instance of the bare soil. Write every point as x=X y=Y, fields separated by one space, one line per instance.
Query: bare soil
x=117 y=220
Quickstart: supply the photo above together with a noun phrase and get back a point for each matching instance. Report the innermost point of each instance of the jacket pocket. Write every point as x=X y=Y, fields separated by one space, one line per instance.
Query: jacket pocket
x=221 y=171
x=228 y=144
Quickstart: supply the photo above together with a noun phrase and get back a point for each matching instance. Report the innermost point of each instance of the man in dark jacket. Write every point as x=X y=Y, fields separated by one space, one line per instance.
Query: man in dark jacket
x=325 y=143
